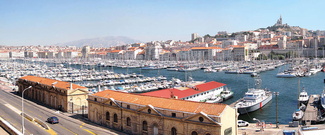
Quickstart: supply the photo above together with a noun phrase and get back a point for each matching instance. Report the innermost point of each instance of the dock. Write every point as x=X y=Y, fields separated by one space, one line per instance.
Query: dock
x=234 y=103
x=311 y=113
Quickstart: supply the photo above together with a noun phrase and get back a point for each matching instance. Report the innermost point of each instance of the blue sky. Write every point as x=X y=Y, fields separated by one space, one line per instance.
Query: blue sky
x=46 y=22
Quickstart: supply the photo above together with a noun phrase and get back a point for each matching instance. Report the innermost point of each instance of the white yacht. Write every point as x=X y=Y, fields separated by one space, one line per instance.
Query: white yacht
x=303 y=97
x=226 y=94
x=286 y=75
x=215 y=99
x=254 y=99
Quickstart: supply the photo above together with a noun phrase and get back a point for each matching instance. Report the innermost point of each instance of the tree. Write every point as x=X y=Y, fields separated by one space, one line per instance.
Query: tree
x=262 y=57
x=207 y=36
x=281 y=57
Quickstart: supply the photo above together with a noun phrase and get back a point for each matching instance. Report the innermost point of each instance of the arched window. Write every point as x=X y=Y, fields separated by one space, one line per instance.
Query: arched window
x=174 y=131
x=128 y=121
x=107 y=115
x=144 y=126
x=194 y=133
x=208 y=134
x=115 y=117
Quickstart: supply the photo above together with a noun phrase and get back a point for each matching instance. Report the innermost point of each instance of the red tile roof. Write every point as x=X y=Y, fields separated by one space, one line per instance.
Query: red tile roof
x=209 y=86
x=47 y=81
x=166 y=93
x=185 y=92
x=115 y=51
x=165 y=103
x=194 y=48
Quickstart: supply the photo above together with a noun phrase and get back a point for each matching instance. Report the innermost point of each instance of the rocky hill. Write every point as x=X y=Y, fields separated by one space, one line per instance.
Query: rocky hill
x=108 y=41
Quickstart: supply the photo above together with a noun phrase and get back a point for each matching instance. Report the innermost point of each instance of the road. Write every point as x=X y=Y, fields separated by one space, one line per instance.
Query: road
x=70 y=124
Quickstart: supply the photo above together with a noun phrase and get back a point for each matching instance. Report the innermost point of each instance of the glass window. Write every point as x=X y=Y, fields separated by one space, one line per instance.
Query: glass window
x=174 y=131
x=107 y=115
x=201 y=119
x=144 y=126
x=194 y=133
x=149 y=111
x=128 y=121
x=115 y=117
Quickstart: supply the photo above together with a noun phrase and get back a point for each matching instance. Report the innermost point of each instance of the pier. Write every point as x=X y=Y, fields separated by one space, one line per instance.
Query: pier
x=311 y=113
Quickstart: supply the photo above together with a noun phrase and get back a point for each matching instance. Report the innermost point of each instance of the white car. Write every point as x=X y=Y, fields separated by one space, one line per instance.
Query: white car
x=242 y=123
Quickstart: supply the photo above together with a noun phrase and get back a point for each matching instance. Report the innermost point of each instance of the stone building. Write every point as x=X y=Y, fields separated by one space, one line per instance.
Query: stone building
x=64 y=96
x=139 y=114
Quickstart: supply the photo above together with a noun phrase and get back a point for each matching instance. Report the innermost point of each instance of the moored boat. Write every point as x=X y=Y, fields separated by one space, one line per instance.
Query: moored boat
x=216 y=99
x=286 y=75
x=226 y=94
x=254 y=74
x=254 y=99
x=303 y=97
x=298 y=114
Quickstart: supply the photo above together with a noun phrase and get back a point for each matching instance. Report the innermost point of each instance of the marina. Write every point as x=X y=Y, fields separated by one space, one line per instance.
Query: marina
x=238 y=83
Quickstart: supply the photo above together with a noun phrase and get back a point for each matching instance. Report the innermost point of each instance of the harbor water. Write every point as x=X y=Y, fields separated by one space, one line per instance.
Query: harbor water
x=288 y=88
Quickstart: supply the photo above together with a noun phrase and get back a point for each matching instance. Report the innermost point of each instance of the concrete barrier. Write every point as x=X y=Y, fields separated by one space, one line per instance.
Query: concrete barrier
x=28 y=117
x=42 y=123
x=9 y=128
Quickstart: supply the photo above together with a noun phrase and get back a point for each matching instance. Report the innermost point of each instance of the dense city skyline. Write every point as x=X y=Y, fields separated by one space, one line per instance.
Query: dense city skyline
x=51 y=22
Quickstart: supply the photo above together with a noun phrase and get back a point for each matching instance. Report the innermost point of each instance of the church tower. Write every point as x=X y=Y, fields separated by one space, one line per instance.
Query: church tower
x=279 y=22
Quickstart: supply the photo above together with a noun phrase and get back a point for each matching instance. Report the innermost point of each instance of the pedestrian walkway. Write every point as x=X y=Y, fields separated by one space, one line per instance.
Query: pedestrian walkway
x=270 y=129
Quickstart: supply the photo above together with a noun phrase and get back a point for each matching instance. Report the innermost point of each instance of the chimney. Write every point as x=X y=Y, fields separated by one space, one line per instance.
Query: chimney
x=70 y=86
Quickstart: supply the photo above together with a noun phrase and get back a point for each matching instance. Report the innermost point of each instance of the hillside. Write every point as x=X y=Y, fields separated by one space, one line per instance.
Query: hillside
x=108 y=41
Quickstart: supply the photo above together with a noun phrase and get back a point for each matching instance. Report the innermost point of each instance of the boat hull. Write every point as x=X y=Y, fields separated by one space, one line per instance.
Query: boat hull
x=247 y=109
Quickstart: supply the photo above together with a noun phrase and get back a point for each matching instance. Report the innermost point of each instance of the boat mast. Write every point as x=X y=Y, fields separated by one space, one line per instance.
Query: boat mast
x=298 y=91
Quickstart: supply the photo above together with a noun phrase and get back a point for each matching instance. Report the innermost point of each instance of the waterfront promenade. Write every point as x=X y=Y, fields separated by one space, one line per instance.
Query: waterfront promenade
x=270 y=129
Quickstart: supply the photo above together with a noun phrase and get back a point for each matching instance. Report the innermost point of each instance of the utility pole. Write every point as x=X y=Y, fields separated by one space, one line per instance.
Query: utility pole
x=276 y=108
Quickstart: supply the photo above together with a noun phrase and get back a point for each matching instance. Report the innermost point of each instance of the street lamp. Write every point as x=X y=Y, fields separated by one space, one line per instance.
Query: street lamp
x=22 y=105
x=276 y=108
x=259 y=123
x=256 y=120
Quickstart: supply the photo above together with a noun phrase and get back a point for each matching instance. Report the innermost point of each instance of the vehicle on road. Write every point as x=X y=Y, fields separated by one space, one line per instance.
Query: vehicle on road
x=242 y=123
x=53 y=120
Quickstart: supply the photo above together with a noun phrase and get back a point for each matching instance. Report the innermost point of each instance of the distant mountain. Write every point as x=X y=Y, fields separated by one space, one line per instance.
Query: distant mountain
x=109 y=41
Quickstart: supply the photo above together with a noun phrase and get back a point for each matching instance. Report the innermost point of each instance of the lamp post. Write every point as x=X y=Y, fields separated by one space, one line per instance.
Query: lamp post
x=259 y=123
x=256 y=120
x=276 y=108
x=22 y=110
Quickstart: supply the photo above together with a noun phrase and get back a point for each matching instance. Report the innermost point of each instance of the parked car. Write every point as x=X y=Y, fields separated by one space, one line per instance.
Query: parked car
x=242 y=123
x=53 y=120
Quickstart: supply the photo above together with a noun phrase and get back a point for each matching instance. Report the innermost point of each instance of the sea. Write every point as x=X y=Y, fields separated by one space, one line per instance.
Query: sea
x=288 y=88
